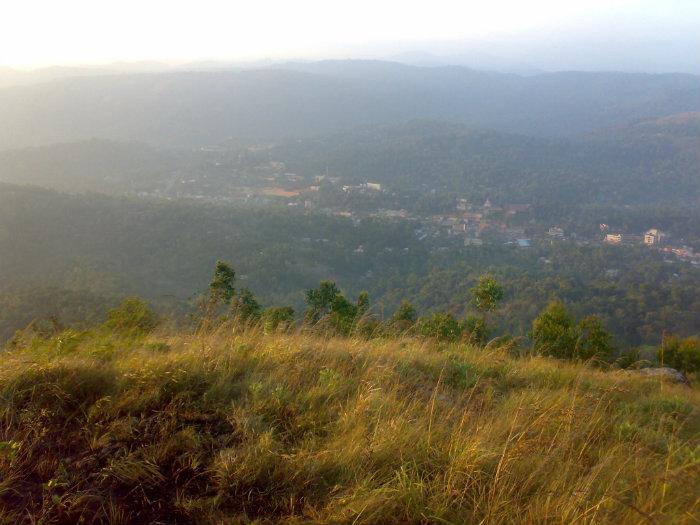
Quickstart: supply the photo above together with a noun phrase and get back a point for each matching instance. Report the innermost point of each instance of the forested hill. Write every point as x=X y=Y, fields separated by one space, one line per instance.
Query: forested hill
x=73 y=255
x=94 y=166
x=618 y=166
x=194 y=108
x=650 y=162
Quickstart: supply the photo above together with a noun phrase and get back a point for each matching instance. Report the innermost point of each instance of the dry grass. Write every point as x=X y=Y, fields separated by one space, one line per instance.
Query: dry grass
x=243 y=427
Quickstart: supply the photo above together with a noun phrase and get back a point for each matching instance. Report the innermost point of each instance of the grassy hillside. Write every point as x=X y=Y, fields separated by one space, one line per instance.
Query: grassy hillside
x=243 y=427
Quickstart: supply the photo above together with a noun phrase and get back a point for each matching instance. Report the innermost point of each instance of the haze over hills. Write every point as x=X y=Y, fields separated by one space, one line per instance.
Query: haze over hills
x=575 y=149
x=93 y=166
x=329 y=262
x=611 y=166
x=307 y=99
x=618 y=165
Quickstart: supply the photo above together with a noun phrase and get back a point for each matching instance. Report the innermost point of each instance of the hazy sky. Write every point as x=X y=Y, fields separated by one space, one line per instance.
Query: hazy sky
x=43 y=32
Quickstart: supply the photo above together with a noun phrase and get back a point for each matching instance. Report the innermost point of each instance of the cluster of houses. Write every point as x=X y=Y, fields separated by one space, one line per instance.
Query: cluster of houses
x=682 y=253
x=471 y=223
x=555 y=232
x=653 y=237
x=365 y=187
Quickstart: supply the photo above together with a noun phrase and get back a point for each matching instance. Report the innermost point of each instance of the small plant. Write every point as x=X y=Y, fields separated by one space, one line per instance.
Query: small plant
x=9 y=449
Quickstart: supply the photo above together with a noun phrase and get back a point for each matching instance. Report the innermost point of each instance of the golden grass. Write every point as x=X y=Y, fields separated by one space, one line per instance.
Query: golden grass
x=242 y=427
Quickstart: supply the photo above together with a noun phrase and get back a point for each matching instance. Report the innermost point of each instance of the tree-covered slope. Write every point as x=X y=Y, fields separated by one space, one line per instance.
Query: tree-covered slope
x=648 y=162
x=94 y=166
x=626 y=165
x=108 y=247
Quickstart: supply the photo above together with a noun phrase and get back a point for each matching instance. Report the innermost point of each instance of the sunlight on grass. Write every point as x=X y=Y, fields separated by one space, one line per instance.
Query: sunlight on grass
x=239 y=426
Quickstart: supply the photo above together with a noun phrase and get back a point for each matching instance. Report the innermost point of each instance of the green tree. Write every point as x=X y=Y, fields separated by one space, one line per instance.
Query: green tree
x=343 y=314
x=319 y=301
x=327 y=302
x=554 y=332
x=221 y=287
x=593 y=339
x=362 y=303
x=245 y=306
x=487 y=294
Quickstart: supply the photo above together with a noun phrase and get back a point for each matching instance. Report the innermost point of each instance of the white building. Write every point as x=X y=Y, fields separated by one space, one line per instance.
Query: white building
x=473 y=241
x=653 y=237
x=555 y=231
x=613 y=238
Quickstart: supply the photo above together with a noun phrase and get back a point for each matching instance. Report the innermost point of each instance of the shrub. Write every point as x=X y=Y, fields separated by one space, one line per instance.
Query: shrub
x=555 y=333
x=630 y=358
x=681 y=354
x=476 y=330
x=342 y=315
x=441 y=326
x=319 y=301
x=406 y=312
x=132 y=315
x=593 y=339
x=276 y=318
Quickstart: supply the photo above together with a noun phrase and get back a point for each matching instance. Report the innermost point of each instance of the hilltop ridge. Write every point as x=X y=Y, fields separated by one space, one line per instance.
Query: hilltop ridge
x=195 y=108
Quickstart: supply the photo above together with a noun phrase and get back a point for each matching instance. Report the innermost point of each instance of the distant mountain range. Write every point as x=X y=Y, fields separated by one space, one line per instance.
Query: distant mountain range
x=473 y=59
x=307 y=99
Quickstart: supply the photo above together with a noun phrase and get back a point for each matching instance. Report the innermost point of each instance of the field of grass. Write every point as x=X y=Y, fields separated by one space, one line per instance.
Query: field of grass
x=242 y=427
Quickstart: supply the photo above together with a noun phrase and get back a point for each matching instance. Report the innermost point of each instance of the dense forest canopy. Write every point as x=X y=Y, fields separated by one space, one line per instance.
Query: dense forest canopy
x=97 y=246
x=617 y=166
